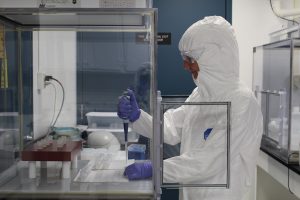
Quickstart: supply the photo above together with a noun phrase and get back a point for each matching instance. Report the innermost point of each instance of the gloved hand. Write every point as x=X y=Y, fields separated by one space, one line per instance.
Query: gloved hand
x=128 y=107
x=139 y=170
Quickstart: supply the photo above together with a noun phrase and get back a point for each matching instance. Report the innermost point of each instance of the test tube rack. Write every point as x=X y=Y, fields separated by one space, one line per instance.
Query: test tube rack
x=52 y=150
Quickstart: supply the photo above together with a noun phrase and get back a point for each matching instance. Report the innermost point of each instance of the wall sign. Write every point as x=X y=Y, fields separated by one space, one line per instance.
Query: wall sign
x=163 y=38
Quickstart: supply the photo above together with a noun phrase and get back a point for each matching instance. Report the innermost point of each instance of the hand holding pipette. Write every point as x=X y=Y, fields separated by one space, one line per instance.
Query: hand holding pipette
x=128 y=111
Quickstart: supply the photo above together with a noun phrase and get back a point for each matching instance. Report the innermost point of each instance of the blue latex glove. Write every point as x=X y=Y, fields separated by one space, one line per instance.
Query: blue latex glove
x=124 y=107
x=128 y=107
x=140 y=170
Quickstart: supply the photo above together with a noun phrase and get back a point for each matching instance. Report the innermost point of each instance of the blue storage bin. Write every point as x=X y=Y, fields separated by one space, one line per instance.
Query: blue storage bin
x=137 y=151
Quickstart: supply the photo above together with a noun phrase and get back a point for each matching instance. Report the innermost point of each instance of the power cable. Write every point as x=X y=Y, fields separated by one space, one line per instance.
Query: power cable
x=54 y=107
x=280 y=16
x=63 y=97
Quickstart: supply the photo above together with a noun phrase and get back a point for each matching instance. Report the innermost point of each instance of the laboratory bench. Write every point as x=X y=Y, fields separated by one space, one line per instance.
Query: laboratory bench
x=276 y=179
x=49 y=185
x=275 y=154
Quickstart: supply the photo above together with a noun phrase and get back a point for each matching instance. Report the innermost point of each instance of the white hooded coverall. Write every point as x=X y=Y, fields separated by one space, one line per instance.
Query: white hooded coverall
x=212 y=43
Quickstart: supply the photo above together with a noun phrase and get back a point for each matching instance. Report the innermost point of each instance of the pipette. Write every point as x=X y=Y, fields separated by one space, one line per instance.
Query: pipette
x=125 y=124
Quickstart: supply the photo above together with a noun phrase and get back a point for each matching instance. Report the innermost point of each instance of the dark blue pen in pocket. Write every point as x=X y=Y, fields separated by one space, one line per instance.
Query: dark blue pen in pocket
x=206 y=133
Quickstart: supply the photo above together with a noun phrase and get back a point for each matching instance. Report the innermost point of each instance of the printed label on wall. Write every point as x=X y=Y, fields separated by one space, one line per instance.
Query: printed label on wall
x=162 y=38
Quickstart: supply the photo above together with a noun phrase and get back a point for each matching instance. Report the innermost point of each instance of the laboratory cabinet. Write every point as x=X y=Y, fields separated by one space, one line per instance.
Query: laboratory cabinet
x=63 y=72
x=276 y=83
x=48 y=149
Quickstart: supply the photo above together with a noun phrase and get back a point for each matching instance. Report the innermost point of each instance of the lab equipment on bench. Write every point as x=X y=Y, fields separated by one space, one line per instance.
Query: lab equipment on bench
x=276 y=71
x=71 y=132
x=94 y=53
x=47 y=149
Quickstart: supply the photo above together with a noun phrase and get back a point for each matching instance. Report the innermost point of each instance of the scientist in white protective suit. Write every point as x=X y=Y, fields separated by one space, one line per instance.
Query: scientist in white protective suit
x=210 y=52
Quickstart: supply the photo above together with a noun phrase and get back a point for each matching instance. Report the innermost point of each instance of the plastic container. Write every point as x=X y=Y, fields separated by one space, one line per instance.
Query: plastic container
x=275 y=132
x=71 y=132
x=274 y=128
x=137 y=151
x=104 y=120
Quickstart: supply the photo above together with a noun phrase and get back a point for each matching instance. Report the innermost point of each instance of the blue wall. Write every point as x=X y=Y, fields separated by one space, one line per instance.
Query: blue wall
x=175 y=16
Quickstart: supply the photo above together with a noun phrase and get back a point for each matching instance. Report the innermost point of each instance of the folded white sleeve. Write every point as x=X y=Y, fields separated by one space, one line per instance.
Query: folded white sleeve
x=173 y=121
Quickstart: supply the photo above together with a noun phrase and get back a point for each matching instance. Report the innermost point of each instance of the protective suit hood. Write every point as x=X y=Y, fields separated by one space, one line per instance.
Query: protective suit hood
x=212 y=43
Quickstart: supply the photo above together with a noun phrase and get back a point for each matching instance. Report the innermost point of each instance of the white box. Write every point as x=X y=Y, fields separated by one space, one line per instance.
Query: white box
x=104 y=120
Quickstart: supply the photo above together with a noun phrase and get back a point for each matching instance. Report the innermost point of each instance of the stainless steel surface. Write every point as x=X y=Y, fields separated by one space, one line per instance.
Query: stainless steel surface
x=198 y=103
x=49 y=184
x=157 y=148
x=228 y=143
x=154 y=111
x=290 y=100
x=196 y=185
x=267 y=113
x=20 y=90
x=74 y=17
x=291 y=32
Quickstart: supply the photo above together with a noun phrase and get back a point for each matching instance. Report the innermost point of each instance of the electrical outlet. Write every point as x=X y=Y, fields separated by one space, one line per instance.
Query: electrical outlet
x=40 y=81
